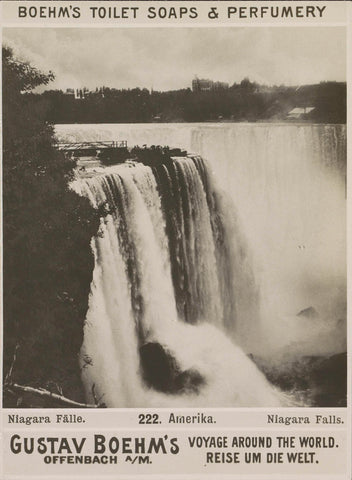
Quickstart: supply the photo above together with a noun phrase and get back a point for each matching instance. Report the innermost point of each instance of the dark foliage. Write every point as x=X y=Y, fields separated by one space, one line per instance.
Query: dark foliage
x=112 y=156
x=246 y=101
x=47 y=230
x=156 y=155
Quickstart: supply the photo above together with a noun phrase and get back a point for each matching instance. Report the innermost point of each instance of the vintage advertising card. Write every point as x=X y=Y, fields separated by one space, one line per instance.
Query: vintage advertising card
x=174 y=201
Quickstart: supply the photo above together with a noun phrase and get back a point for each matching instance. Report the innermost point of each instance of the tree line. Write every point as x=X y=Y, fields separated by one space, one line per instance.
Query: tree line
x=245 y=101
x=48 y=262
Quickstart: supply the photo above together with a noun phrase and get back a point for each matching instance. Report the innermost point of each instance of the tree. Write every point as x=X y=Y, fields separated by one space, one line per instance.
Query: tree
x=48 y=263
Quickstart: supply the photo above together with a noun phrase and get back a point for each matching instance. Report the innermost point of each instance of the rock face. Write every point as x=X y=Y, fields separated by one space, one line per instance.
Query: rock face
x=161 y=371
x=319 y=381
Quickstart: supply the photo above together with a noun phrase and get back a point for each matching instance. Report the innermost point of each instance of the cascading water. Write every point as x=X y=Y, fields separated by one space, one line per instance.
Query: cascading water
x=280 y=294
x=167 y=267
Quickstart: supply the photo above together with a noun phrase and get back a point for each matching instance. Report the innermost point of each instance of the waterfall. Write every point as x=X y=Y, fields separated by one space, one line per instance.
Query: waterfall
x=249 y=255
x=172 y=276
x=288 y=185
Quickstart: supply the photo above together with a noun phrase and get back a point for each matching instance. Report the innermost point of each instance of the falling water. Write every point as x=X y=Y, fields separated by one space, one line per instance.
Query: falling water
x=166 y=272
x=246 y=254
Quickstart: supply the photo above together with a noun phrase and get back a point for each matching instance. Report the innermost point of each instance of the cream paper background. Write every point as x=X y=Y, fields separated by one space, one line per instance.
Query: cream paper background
x=333 y=465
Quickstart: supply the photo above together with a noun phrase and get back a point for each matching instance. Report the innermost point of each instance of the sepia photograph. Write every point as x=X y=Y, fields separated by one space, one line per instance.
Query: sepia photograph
x=174 y=217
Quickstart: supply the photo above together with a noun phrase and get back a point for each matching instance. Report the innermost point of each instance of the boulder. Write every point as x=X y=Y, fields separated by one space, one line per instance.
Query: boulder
x=161 y=371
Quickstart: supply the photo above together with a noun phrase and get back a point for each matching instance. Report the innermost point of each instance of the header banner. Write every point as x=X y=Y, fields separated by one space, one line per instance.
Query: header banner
x=172 y=13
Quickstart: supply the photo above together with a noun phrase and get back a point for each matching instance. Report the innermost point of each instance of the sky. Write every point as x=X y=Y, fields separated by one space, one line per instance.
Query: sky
x=169 y=58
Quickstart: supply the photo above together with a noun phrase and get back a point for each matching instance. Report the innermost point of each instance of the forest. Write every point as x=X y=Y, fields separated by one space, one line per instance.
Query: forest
x=244 y=101
x=48 y=262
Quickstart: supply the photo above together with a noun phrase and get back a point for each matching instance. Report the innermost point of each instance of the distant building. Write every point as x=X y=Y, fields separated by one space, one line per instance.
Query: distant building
x=75 y=92
x=299 y=113
x=100 y=91
x=81 y=93
x=220 y=86
x=201 y=85
x=206 y=85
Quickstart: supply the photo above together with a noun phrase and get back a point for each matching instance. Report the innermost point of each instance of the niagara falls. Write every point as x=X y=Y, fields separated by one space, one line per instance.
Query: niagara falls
x=214 y=264
x=174 y=223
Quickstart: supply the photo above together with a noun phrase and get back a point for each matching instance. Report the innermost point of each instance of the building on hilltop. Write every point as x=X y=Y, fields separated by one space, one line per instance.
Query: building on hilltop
x=220 y=85
x=77 y=93
x=82 y=93
x=299 y=113
x=206 y=85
